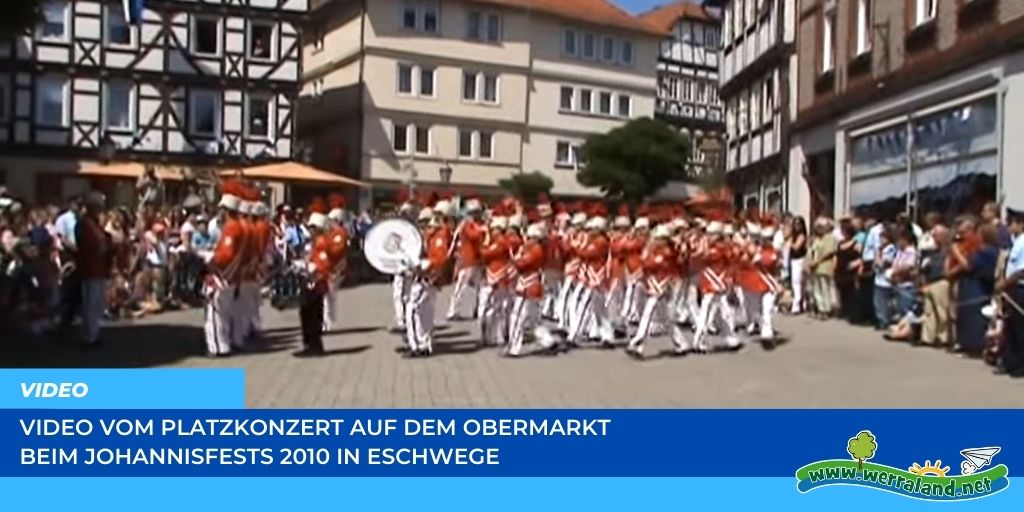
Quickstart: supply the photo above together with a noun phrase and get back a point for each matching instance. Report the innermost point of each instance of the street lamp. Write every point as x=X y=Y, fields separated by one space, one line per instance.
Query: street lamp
x=446 y=174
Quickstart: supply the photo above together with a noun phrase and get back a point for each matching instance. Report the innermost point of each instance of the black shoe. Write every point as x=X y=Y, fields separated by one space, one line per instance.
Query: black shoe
x=634 y=354
x=680 y=353
x=413 y=354
x=607 y=345
x=401 y=349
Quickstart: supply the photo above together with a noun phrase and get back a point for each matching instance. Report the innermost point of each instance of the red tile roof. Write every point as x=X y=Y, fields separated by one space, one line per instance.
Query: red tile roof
x=665 y=17
x=597 y=12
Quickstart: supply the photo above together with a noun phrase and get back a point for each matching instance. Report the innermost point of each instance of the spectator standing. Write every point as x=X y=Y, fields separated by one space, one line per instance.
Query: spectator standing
x=935 y=289
x=847 y=269
x=92 y=260
x=904 y=271
x=797 y=253
x=973 y=263
x=883 y=292
x=1013 y=287
x=822 y=267
x=866 y=280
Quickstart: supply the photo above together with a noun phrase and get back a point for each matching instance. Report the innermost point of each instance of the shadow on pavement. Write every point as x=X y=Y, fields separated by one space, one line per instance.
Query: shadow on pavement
x=123 y=346
x=352 y=330
x=456 y=347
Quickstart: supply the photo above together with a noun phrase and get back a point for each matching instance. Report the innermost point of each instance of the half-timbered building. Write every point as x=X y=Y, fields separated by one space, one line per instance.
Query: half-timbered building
x=184 y=82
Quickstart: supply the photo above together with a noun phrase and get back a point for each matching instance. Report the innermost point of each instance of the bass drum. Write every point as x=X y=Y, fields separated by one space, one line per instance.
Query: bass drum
x=391 y=243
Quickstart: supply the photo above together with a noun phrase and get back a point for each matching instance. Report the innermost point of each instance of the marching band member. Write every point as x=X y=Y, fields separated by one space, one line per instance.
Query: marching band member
x=554 y=261
x=765 y=289
x=225 y=274
x=635 y=243
x=245 y=296
x=714 y=287
x=496 y=257
x=574 y=279
x=524 y=316
x=591 y=302
x=696 y=244
x=399 y=285
x=263 y=232
x=660 y=266
x=338 y=240
x=616 y=294
x=427 y=280
x=468 y=267
x=318 y=268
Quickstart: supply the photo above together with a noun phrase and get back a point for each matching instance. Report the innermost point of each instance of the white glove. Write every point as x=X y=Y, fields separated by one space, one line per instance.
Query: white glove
x=424 y=264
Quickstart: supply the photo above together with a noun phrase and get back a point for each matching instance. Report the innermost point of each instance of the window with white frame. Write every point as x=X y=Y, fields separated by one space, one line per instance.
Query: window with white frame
x=206 y=35
x=863 y=26
x=769 y=99
x=569 y=42
x=483 y=26
x=52 y=101
x=626 y=53
x=828 y=41
x=925 y=11
x=259 y=118
x=476 y=143
x=400 y=137
x=608 y=49
x=205 y=113
x=118 y=32
x=702 y=91
x=625 y=106
x=480 y=87
x=420 y=16
x=318 y=39
x=119 y=106
x=710 y=38
x=586 y=103
x=53 y=24
x=566 y=98
x=687 y=89
x=589 y=45
x=566 y=154
x=261 y=40
x=416 y=80
x=423 y=142
x=604 y=103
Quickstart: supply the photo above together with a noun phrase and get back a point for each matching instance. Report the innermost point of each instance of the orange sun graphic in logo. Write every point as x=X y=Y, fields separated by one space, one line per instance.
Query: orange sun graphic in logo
x=929 y=469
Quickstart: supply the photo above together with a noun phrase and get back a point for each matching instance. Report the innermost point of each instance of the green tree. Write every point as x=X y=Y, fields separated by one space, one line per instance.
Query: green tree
x=634 y=160
x=862 y=447
x=18 y=15
x=527 y=186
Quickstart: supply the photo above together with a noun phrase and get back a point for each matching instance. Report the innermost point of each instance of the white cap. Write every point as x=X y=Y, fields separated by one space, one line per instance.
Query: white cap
x=753 y=228
x=317 y=219
x=516 y=221
x=578 y=219
x=230 y=202
x=425 y=214
x=499 y=222
x=728 y=230
x=443 y=207
x=622 y=221
x=679 y=223
x=768 y=232
x=473 y=206
x=714 y=227
x=337 y=215
x=535 y=230
x=260 y=209
x=701 y=222
x=597 y=223
x=642 y=223
x=662 y=231
x=406 y=207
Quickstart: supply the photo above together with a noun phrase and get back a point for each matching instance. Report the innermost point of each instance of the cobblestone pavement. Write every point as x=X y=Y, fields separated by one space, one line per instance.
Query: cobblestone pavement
x=822 y=365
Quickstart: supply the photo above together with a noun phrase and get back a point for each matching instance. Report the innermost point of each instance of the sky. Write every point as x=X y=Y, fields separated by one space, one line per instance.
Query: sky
x=639 y=6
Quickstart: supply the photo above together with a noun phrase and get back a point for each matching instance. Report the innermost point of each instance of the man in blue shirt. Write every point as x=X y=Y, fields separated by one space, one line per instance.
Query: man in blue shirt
x=1012 y=287
x=871 y=238
x=66 y=223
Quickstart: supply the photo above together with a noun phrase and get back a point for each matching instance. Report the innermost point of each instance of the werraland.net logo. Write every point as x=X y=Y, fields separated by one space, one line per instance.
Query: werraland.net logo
x=930 y=481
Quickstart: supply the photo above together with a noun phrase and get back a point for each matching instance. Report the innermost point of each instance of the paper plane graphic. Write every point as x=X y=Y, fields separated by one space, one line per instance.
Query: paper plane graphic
x=977 y=458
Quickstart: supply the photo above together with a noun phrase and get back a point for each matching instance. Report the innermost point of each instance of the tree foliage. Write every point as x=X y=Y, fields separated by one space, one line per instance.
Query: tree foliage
x=862 y=447
x=633 y=161
x=528 y=185
x=18 y=15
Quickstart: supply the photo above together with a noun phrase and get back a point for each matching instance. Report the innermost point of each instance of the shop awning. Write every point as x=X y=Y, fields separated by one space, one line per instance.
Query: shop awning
x=132 y=170
x=293 y=172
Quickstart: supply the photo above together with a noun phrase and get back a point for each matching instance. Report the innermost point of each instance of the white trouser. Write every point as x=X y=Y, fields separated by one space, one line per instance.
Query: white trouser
x=246 y=309
x=331 y=305
x=466 y=280
x=562 y=305
x=614 y=300
x=572 y=306
x=591 y=307
x=656 y=308
x=399 y=292
x=524 y=317
x=217 y=321
x=742 y=318
x=552 y=291
x=94 y=304
x=494 y=316
x=796 y=275
x=711 y=304
x=693 y=298
x=631 y=300
x=760 y=308
x=676 y=303
x=419 y=316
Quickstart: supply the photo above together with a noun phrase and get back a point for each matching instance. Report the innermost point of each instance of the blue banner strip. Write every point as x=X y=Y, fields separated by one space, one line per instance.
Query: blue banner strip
x=172 y=388
x=562 y=443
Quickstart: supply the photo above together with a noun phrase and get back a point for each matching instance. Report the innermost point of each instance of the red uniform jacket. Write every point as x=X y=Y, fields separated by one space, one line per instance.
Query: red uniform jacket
x=595 y=260
x=438 y=242
x=554 y=259
x=263 y=232
x=337 y=249
x=660 y=270
x=319 y=263
x=496 y=257
x=618 y=253
x=766 y=265
x=227 y=256
x=470 y=236
x=528 y=263
x=634 y=248
x=714 y=276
